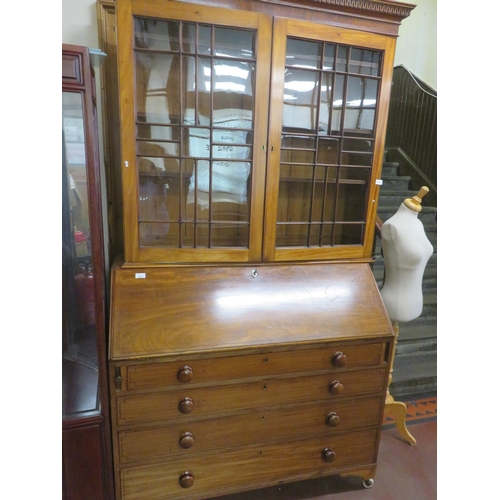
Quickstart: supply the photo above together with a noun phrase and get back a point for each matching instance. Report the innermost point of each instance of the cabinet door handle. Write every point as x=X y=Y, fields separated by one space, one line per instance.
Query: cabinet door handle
x=336 y=387
x=185 y=374
x=186 y=405
x=332 y=419
x=328 y=455
x=339 y=359
x=186 y=440
x=186 y=480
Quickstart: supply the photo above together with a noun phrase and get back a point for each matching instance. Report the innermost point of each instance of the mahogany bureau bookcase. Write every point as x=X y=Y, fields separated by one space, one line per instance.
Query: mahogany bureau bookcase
x=249 y=344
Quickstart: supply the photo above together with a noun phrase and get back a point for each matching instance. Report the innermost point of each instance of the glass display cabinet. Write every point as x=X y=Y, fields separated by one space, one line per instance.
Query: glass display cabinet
x=85 y=414
x=246 y=325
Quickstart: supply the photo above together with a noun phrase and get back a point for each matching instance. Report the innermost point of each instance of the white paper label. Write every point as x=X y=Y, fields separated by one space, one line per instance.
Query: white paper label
x=140 y=275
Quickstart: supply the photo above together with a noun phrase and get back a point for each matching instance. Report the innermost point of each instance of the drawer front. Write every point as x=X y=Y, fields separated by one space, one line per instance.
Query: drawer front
x=152 y=376
x=254 y=466
x=196 y=436
x=166 y=406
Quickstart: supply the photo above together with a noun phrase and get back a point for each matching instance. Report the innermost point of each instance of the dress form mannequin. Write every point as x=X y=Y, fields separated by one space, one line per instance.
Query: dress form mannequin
x=406 y=252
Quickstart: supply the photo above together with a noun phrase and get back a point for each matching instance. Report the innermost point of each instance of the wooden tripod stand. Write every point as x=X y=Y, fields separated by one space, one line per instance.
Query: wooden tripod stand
x=397 y=409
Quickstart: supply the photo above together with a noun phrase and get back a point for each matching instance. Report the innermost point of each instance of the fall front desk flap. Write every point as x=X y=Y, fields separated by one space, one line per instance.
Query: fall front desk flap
x=206 y=309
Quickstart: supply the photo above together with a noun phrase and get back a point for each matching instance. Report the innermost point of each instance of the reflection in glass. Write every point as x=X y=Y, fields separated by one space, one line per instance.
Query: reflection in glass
x=195 y=115
x=365 y=62
x=300 y=99
x=79 y=312
x=230 y=42
x=361 y=103
x=326 y=155
x=303 y=53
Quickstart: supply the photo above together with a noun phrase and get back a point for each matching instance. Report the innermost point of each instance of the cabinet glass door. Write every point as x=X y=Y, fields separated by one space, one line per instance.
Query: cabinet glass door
x=196 y=157
x=80 y=366
x=328 y=100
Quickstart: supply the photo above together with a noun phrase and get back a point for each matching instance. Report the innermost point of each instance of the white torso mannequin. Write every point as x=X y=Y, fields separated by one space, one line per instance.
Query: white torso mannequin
x=406 y=253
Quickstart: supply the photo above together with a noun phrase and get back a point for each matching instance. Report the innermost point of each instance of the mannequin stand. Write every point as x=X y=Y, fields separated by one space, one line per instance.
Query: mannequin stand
x=397 y=409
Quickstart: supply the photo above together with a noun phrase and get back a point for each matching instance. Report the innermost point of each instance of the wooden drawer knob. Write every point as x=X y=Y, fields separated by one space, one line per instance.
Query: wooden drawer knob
x=332 y=419
x=186 y=480
x=336 y=387
x=339 y=359
x=185 y=374
x=186 y=440
x=186 y=405
x=328 y=455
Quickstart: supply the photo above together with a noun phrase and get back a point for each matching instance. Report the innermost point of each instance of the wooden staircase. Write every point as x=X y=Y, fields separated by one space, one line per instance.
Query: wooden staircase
x=415 y=363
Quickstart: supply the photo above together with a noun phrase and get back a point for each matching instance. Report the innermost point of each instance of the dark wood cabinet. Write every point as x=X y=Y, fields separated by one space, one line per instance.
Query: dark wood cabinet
x=86 y=450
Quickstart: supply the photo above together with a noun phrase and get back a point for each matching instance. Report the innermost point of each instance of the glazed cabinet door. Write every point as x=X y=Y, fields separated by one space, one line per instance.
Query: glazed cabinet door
x=194 y=85
x=329 y=101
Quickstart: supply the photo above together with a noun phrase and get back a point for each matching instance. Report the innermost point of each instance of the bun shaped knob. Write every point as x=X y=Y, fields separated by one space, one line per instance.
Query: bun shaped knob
x=332 y=419
x=185 y=374
x=339 y=359
x=186 y=440
x=186 y=480
x=186 y=405
x=336 y=387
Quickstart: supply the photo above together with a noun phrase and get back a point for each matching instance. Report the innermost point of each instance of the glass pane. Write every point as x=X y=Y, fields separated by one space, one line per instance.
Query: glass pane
x=295 y=235
x=196 y=142
x=233 y=94
x=230 y=42
x=360 y=105
x=329 y=58
x=338 y=102
x=230 y=235
x=189 y=38
x=351 y=203
x=348 y=234
x=328 y=151
x=303 y=53
x=341 y=62
x=300 y=100
x=157 y=88
x=297 y=149
x=231 y=137
x=325 y=103
x=79 y=360
x=156 y=34
x=204 y=40
x=230 y=185
x=198 y=192
x=365 y=62
x=296 y=185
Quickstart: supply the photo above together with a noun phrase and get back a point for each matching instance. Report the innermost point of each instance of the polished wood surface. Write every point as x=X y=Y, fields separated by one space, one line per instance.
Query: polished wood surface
x=211 y=309
x=268 y=364
x=206 y=401
x=245 y=468
x=326 y=418
x=233 y=368
x=288 y=359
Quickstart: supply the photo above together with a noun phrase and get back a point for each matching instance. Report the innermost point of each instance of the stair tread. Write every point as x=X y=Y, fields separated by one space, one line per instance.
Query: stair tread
x=412 y=366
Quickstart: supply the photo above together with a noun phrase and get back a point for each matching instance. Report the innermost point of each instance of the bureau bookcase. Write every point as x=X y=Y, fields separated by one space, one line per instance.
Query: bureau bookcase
x=248 y=341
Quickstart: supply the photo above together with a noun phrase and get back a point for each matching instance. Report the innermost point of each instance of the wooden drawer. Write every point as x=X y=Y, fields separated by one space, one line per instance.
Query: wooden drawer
x=254 y=466
x=327 y=418
x=201 y=371
x=165 y=406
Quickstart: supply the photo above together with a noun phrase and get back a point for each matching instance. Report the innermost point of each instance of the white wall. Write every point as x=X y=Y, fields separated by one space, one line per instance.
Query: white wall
x=416 y=48
x=79 y=23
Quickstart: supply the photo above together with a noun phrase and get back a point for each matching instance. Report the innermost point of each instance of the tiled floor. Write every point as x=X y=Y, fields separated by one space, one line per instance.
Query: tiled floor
x=404 y=472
